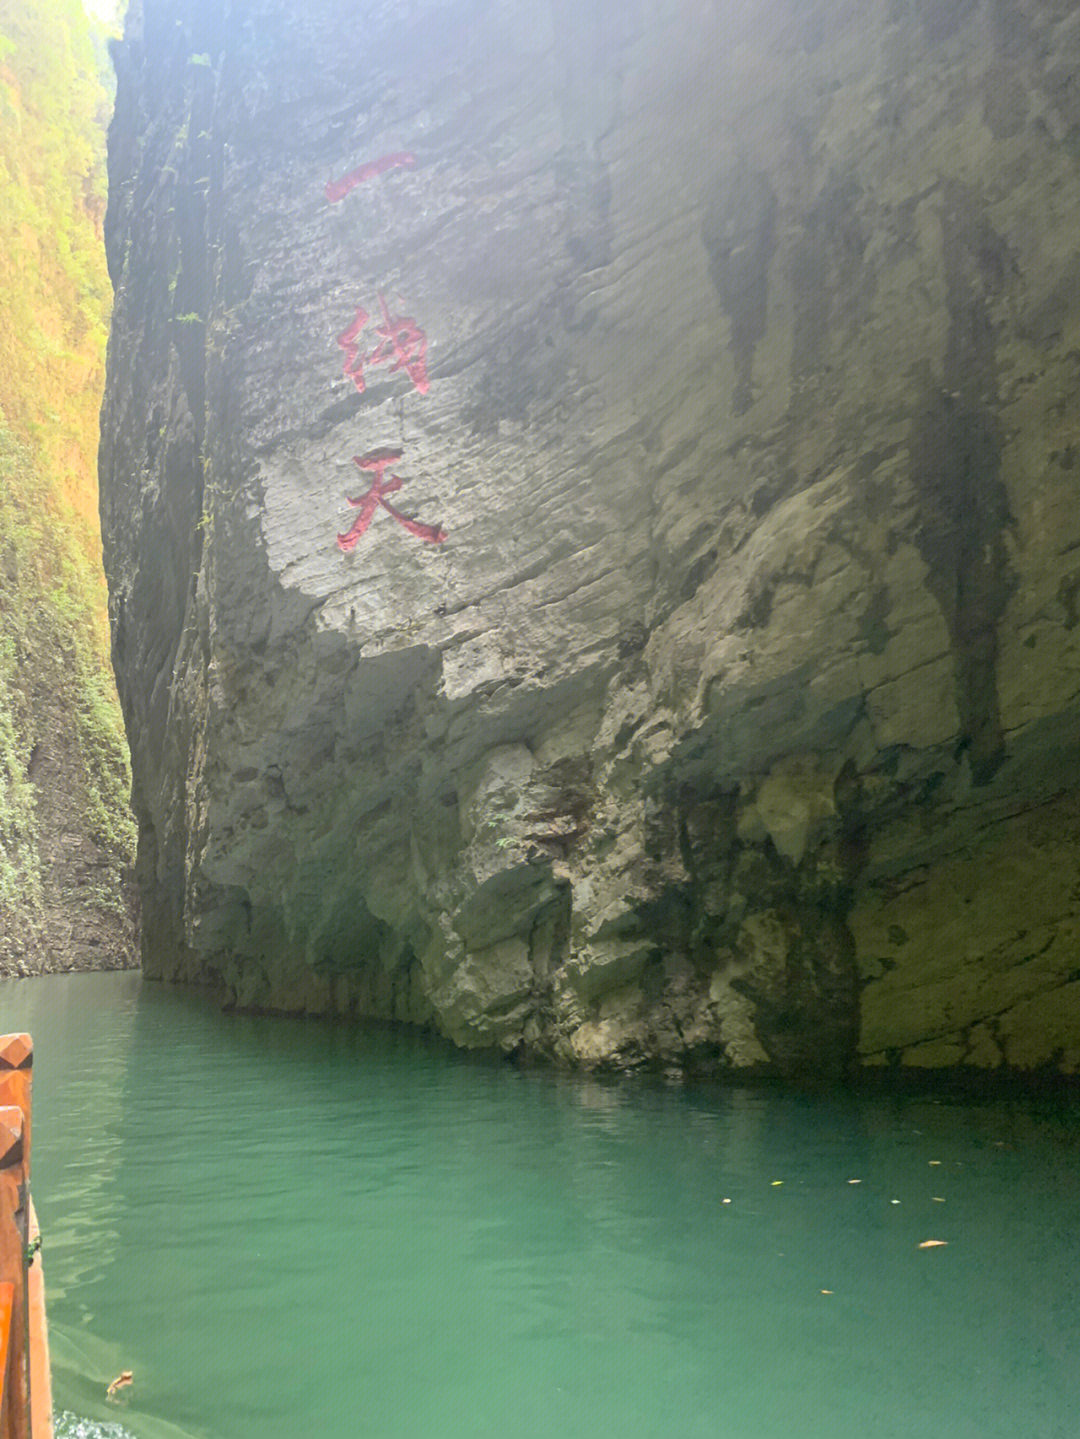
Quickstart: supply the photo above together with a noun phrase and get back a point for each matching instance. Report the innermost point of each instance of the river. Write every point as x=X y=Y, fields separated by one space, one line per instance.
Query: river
x=291 y=1230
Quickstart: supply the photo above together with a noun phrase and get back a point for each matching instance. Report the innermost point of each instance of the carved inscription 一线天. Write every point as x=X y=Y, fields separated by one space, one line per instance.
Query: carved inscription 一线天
x=337 y=189
x=376 y=464
x=402 y=345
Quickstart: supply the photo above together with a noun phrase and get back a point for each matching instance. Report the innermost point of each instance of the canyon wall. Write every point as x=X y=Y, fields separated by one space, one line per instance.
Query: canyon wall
x=67 y=839
x=590 y=496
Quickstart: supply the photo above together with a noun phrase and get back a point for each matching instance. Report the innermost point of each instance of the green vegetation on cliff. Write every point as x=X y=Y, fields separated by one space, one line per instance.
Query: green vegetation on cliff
x=66 y=834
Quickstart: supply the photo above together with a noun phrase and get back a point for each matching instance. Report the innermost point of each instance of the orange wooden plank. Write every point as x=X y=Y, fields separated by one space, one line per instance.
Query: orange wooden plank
x=16 y=1051
x=16 y=1073
x=15 y=1094
x=41 y=1425
x=13 y=1217
x=7 y=1304
x=26 y=1401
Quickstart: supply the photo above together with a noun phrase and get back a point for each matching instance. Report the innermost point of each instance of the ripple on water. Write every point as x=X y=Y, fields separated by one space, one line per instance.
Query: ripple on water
x=70 y=1426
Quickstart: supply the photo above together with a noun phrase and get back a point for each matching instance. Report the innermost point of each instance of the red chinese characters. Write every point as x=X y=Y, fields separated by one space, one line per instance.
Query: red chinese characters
x=337 y=189
x=376 y=464
x=399 y=344
x=402 y=345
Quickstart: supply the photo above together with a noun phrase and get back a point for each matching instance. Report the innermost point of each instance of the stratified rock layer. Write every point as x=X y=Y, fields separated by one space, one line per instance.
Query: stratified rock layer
x=735 y=351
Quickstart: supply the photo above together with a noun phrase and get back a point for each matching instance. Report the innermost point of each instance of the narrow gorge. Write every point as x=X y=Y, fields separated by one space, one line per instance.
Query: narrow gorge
x=590 y=503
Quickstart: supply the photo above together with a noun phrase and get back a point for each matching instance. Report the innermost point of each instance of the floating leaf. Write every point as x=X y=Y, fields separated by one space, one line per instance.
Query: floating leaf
x=776 y=1183
x=854 y=1181
x=120 y=1382
x=933 y=1243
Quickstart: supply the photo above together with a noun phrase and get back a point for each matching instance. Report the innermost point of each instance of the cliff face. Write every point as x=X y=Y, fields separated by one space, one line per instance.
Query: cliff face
x=66 y=833
x=590 y=500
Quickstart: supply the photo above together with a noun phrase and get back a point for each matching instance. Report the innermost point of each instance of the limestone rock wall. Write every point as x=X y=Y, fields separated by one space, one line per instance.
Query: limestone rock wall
x=590 y=496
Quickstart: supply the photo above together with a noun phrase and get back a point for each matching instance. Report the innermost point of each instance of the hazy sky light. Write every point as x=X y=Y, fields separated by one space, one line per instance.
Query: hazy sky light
x=107 y=10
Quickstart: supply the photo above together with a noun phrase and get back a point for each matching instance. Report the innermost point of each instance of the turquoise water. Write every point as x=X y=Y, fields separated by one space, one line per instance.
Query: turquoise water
x=286 y=1229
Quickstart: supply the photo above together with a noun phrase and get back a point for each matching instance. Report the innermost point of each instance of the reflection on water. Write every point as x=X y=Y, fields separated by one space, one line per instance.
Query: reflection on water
x=286 y=1228
x=94 y=1061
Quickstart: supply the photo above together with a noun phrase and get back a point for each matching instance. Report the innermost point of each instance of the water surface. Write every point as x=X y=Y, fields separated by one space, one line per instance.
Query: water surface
x=290 y=1230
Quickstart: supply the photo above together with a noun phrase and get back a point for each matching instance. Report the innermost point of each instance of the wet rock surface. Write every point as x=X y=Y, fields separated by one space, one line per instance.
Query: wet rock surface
x=734 y=353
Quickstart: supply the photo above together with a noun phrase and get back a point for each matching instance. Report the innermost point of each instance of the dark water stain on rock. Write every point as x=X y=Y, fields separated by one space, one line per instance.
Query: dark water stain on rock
x=955 y=452
x=740 y=238
x=806 y=1005
x=832 y=290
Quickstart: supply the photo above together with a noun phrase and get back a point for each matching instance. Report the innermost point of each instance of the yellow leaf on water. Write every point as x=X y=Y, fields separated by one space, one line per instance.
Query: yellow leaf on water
x=933 y=1243
x=776 y=1183
x=938 y=1199
x=935 y=1161
x=826 y=1291
x=854 y=1181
